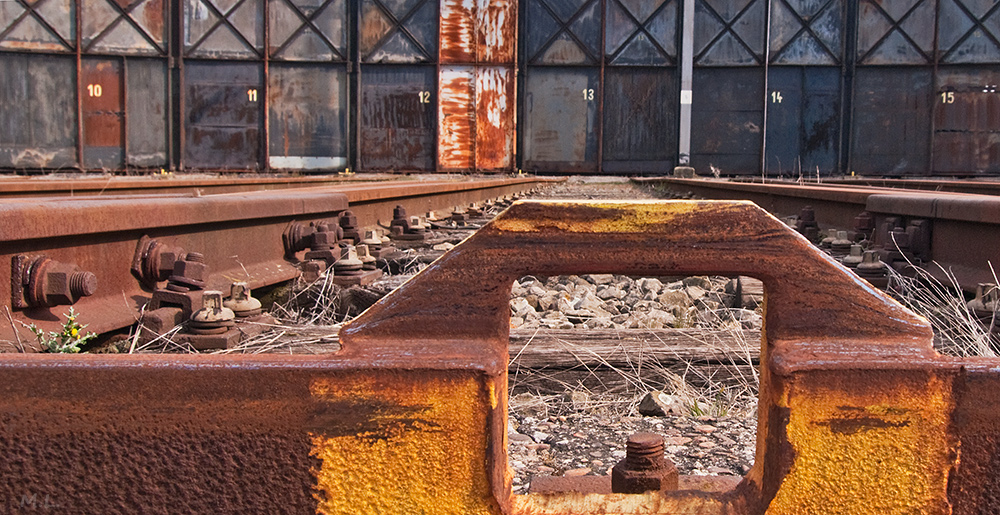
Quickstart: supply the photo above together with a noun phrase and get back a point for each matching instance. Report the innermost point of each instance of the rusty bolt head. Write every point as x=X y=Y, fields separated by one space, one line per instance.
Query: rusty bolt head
x=399 y=213
x=644 y=467
x=987 y=300
x=51 y=283
x=324 y=240
x=371 y=239
x=64 y=287
x=855 y=257
x=348 y=262
x=864 y=222
x=241 y=302
x=165 y=261
x=348 y=220
x=190 y=273
x=212 y=318
x=312 y=270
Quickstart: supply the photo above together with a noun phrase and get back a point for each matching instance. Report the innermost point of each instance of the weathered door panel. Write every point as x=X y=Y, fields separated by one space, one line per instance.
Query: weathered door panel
x=560 y=119
x=899 y=32
x=132 y=27
x=478 y=31
x=803 y=120
x=476 y=118
x=967 y=120
x=891 y=122
x=147 y=108
x=224 y=29
x=641 y=33
x=307 y=30
x=101 y=103
x=44 y=26
x=729 y=32
x=457 y=118
x=399 y=31
x=37 y=111
x=727 y=118
x=640 y=120
x=495 y=128
x=398 y=109
x=222 y=115
x=308 y=116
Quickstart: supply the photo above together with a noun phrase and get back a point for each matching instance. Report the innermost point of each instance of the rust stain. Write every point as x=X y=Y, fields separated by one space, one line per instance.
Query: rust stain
x=494 y=118
x=455 y=145
x=458 y=32
x=152 y=18
x=496 y=31
x=374 y=27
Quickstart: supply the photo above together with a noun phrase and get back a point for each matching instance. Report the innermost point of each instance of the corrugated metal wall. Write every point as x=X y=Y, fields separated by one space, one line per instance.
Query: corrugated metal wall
x=780 y=87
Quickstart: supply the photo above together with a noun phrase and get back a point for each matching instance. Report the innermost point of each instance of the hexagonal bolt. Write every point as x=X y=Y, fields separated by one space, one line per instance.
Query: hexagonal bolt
x=51 y=283
x=212 y=318
x=323 y=238
x=296 y=237
x=348 y=220
x=987 y=300
x=371 y=239
x=855 y=257
x=644 y=467
x=367 y=260
x=898 y=238
x=154 y=261
x=864 y=222
x=241 y=302
x=871 y=265
x=190 y=273
x=348 y=261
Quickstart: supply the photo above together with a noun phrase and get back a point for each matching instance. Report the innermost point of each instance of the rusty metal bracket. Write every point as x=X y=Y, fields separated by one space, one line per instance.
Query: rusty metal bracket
x=857 y=413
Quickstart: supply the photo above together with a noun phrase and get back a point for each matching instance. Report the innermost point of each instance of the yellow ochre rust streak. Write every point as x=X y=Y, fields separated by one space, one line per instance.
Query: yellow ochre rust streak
x=436 y=466
x=618 y=217
x=880 y=448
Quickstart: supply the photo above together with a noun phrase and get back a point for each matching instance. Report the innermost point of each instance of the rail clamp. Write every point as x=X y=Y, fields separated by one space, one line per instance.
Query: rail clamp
x=857 y=413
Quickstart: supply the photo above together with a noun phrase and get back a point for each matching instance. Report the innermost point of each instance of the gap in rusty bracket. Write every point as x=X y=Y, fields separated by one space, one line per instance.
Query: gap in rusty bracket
x=596 y=356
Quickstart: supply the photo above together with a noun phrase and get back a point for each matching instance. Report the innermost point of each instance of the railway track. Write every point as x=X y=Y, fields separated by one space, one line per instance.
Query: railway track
x=852 y=395
x=107 y=255
x=938 y=226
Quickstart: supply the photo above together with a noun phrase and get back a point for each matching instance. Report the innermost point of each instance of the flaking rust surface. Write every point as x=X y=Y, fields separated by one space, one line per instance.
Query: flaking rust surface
x=420 y=442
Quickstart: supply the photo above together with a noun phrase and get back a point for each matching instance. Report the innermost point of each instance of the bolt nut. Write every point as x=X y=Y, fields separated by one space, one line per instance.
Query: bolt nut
x=51 y=283
x=348 y=220
x=190 y=272
x=855 y=257
x=371 y=239
x=324 y=240
x=212 y=318
x=644 y=467
x=348 y=263
x=240 y=301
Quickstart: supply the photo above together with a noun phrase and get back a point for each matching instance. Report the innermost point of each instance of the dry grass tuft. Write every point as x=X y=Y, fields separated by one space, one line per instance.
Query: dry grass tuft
x=957 y=330
x=613 y=390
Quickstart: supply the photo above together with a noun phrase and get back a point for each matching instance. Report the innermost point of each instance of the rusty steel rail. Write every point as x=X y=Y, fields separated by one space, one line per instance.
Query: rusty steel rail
x=107 y=255
x=979 y=187
x=961 y=230
x=857 y=413
x=47 y=186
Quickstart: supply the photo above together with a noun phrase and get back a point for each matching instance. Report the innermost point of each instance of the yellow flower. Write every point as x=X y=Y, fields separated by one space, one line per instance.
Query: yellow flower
x=73 y=332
